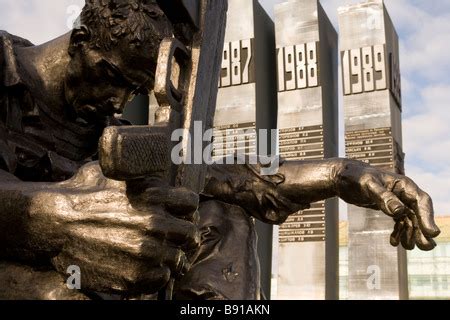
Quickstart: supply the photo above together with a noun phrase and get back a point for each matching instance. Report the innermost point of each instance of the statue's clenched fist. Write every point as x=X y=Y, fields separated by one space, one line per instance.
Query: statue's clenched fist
x=397 y=196
x=120 y=247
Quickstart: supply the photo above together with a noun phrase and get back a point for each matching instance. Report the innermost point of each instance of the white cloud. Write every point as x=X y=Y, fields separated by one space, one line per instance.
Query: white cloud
x=427 y=144
x=427 y=133
x=436 y=184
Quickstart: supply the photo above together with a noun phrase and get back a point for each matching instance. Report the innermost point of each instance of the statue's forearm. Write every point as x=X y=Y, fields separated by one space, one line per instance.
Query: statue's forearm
x=25 y=230
x=273 y=198
x=13 y=221
x=310 y=181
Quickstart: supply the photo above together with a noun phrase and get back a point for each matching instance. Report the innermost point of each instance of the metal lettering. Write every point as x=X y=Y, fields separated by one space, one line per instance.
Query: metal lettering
x=236 y=76
x=368 y=71
x=281 y=79
x=356 y=72
x=313 y=76
x=226 y=74
x=237 y=63
x=298 y=67
x=347 y=80
x=246 y=46
x=364 y=70
x=395 y=78
x=300 y=55
x=380 y=67
x=289 y=67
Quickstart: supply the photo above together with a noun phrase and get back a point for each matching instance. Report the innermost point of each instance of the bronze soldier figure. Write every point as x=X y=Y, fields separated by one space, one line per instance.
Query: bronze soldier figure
x=58 y=210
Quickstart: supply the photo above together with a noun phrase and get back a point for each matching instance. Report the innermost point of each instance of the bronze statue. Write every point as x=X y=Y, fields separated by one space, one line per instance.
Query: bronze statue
x=57 y=209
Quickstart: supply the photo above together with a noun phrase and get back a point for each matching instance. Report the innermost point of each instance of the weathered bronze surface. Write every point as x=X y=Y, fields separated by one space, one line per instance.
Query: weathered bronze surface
x=57 y=209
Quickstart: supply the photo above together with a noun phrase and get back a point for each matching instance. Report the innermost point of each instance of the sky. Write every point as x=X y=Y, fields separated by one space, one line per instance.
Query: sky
x=424 y=30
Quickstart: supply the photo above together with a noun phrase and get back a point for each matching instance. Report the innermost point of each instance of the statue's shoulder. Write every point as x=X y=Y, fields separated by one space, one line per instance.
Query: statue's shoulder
x=14 y=40
x=9 y=75
x=10 y=108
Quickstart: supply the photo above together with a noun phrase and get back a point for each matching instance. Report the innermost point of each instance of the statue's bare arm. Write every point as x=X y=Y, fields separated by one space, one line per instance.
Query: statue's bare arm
x=299 y=183
x=120 y=246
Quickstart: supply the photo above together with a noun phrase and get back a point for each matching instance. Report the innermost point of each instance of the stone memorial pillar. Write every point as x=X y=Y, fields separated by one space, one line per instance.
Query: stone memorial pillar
x=308 y=130
x=373 y=106
x=247 y=98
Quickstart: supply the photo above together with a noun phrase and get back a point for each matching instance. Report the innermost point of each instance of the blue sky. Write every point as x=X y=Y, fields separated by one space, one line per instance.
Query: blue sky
x=424 y=30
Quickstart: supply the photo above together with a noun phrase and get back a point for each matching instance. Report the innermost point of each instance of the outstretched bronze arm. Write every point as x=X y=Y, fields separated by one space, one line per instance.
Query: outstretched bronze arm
x=299 y=183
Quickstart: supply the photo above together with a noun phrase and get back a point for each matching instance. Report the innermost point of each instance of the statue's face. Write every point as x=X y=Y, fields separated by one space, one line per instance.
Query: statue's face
x=100 y=82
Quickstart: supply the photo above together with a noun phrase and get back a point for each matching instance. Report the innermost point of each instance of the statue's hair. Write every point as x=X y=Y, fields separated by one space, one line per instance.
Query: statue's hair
x=137 y=21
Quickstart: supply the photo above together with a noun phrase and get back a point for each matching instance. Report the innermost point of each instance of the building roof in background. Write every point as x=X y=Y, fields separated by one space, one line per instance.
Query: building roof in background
x=442 y=222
